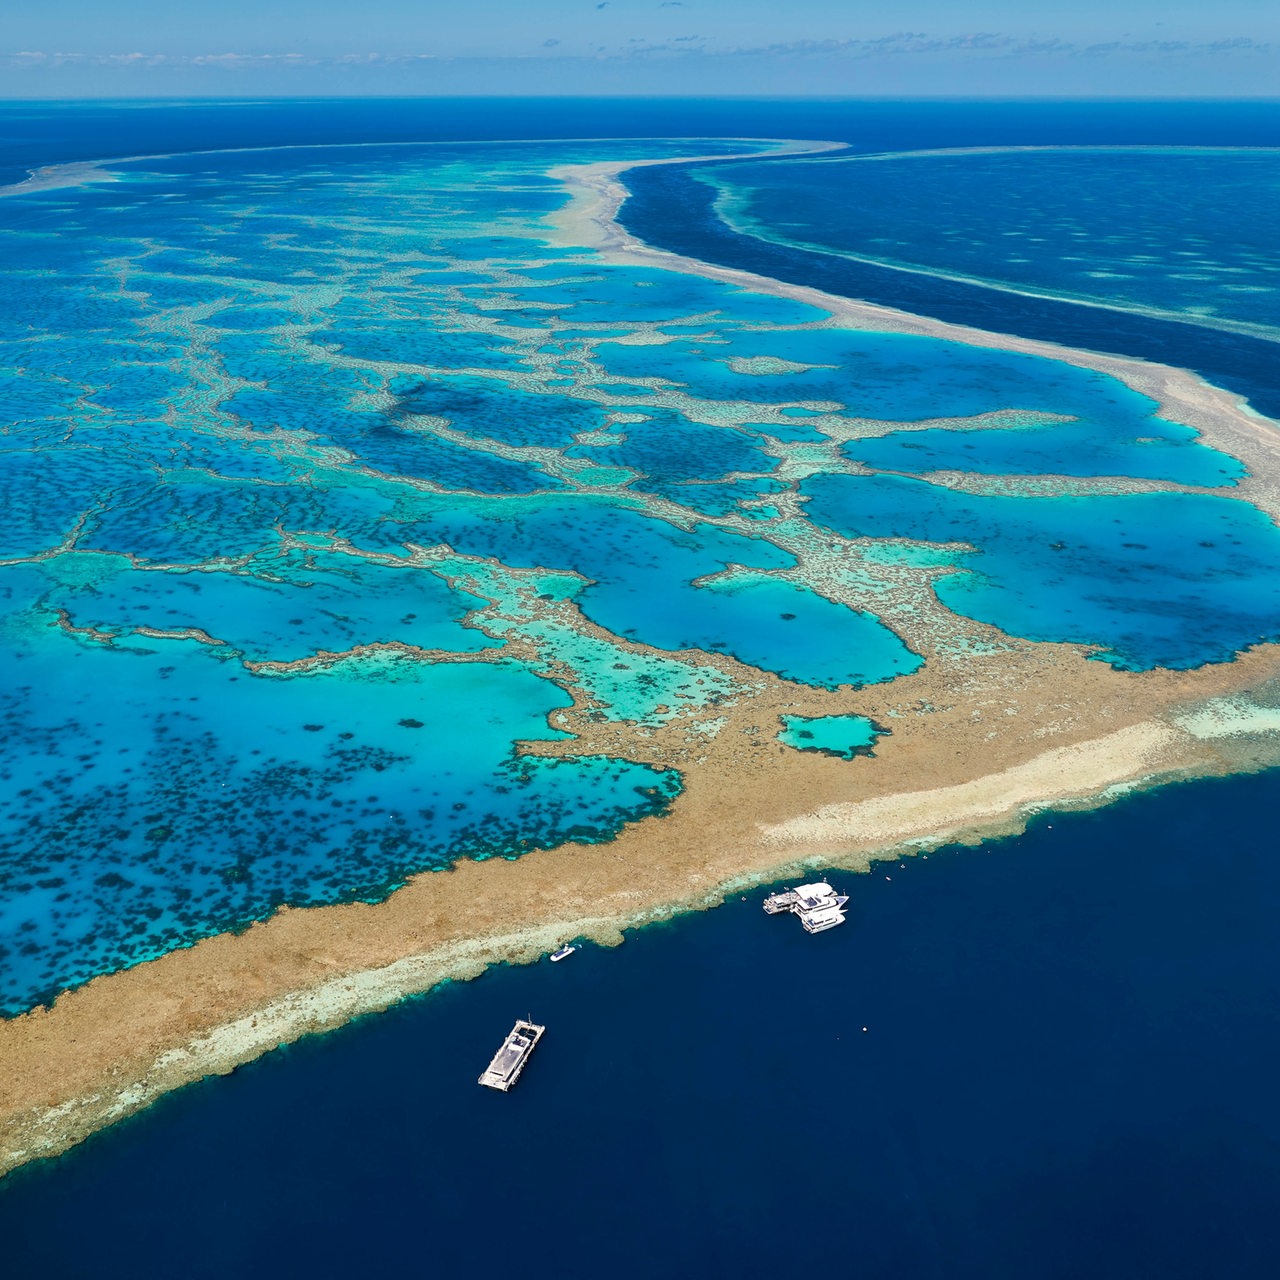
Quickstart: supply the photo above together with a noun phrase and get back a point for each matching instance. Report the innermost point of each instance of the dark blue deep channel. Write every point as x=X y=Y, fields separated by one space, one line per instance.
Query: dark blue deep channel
x=667 y=207
x=1069 y=1071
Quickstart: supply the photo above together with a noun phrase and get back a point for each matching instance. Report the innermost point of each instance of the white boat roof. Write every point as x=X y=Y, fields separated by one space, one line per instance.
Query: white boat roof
x=824 y=913
x=819 y=890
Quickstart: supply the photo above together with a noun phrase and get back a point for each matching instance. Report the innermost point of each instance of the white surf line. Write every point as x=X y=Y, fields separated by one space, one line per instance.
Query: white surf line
x=1081 y=148
x=1245 y=328
x=74 y=173
x=740 y=223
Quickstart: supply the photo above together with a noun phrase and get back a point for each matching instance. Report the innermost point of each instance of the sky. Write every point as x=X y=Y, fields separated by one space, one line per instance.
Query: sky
x=103 y=48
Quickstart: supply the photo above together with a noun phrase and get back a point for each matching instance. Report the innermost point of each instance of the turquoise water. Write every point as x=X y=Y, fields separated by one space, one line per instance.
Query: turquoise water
x=159 y=793
x=350 y=410
x=843 y=736
x=1156 y=579
x=1162 y=452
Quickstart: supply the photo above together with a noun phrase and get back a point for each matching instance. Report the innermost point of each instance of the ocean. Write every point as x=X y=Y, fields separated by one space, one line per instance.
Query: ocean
x=245 y=378
x=1067 y=1069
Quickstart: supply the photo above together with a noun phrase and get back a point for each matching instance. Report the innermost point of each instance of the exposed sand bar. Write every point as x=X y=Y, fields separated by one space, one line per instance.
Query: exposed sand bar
x=977 y=741
x=52 y=176
x=1080 y=770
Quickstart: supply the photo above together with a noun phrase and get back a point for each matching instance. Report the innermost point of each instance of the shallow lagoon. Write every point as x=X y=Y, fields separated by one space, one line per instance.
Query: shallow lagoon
x=843 y=736
x=1156 y=579
x=161 y=794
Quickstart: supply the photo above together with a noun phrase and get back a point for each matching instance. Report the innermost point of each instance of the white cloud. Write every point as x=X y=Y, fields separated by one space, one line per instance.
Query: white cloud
x=907 y=44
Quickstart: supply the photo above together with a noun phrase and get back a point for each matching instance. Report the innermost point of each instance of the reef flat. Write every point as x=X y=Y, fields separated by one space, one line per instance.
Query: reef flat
x=520 y=520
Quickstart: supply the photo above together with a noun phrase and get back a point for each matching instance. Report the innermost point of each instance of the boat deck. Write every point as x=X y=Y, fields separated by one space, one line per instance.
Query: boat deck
x=512 y=1054
x=779 y=902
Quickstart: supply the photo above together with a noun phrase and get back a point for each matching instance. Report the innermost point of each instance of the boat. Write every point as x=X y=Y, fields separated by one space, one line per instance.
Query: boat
x=512 y=1054
x=563 y=953
x=821 y=919
x=818 y=905
x=776 y=903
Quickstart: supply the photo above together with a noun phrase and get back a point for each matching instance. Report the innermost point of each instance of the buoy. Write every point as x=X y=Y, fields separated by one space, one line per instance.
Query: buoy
x=864 y=1028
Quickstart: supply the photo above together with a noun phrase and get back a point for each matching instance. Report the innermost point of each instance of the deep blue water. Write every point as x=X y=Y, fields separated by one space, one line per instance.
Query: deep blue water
x=38 y=133
x=1182 y=232
x=1069 y=1070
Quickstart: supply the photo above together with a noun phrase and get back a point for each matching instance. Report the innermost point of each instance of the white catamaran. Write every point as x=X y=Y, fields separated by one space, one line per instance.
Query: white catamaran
x=818 y=905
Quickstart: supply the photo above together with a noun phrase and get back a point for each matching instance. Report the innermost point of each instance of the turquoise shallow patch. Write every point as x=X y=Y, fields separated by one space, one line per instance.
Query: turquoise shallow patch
x=282 y=609
x=843 y=736
x=796 y=633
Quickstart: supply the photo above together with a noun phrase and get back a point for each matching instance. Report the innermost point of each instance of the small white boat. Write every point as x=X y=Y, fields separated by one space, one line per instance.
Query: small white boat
x=563 y=954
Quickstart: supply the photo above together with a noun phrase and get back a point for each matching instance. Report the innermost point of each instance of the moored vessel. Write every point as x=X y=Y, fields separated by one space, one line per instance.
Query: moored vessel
x=512 y=1054
x=776 y=903
x=818 y=905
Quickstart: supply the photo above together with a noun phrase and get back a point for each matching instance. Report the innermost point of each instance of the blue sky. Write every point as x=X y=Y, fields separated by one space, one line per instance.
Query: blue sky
x=1139 y=47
